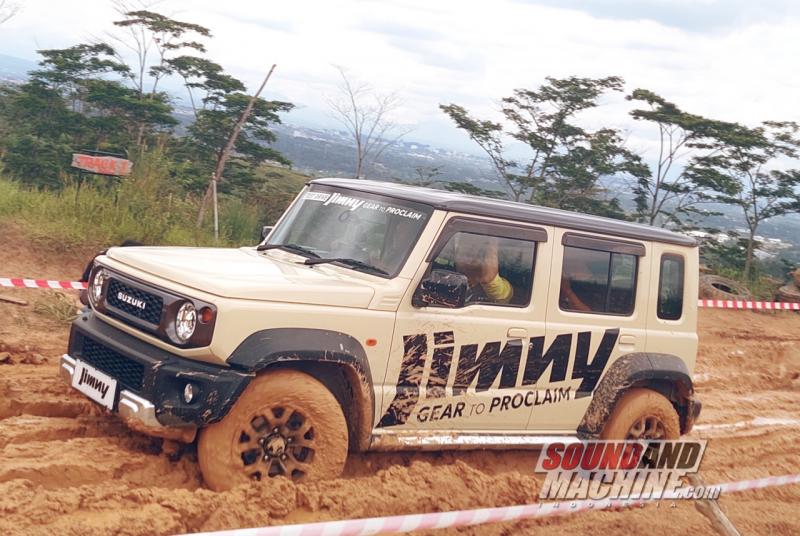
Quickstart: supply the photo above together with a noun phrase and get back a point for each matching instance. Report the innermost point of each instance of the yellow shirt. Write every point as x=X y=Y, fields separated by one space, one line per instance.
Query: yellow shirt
x=498 y=290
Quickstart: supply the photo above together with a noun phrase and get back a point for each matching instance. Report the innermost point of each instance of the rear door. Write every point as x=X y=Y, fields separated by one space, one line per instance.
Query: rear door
x=598 y=312
x=672 y=305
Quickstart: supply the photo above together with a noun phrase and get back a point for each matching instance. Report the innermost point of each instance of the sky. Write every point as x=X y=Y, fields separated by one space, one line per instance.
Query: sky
x=733 y=60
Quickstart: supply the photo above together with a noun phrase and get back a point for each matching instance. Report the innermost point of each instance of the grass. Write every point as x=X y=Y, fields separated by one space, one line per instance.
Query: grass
x=761 y=286
x=57 y=306
x=144 y=206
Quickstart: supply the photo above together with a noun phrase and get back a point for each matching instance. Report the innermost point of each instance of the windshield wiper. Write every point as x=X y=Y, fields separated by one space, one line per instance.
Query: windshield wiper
x=344 y=260
x=291 y=247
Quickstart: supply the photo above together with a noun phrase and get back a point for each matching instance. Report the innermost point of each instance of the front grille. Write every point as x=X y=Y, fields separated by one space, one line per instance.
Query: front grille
x=128 y=372
x=145 y=306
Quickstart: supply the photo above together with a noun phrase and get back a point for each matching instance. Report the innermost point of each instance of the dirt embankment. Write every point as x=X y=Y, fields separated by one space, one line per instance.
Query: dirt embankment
x=67 y=468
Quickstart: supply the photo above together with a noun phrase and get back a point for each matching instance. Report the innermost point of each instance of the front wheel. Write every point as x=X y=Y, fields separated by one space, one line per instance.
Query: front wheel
x=286 y=423
x=642 y=414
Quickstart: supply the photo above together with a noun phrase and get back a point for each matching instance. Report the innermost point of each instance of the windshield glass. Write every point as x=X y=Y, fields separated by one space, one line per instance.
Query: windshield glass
x=334 y=223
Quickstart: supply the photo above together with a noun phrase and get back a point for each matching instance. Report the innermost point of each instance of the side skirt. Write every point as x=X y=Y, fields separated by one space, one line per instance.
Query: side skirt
x=443 y=440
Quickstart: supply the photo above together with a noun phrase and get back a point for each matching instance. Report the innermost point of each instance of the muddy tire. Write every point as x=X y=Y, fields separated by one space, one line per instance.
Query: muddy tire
x=714 y=287
x=286 y=423
x=788 y=293
x=642 y=414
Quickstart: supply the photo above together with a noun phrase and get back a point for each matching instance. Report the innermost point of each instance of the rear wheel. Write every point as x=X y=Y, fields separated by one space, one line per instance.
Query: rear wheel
x=286 y=423
x=642 y=414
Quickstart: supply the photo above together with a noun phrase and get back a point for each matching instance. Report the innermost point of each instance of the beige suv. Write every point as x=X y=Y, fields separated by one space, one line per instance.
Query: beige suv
x=376 y=316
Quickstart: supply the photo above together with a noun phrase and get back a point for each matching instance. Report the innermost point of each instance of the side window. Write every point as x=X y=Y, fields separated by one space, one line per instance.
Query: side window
x=670 y=287
x=595 y=281
x=499 y=269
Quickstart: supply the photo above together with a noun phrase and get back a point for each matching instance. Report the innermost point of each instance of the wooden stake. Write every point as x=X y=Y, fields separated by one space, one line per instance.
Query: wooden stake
x=216 y=210
x=711 y=509
x=15 y=301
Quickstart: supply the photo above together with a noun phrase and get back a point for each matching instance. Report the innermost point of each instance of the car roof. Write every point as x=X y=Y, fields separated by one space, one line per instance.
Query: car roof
x=511 y=210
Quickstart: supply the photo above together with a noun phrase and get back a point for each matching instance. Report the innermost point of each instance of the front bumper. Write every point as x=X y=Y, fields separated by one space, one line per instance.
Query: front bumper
x=151 y=380
x=137 y=412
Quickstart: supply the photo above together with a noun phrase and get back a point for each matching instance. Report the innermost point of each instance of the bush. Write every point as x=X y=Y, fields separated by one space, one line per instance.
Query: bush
x=146 y=206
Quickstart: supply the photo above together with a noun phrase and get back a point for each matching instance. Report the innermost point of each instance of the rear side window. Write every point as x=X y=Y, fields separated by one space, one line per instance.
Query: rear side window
x=595 y=281
x=670 y=287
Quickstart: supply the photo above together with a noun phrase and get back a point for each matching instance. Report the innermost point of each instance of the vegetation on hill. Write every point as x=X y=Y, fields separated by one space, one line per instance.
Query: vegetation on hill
x=148 y=206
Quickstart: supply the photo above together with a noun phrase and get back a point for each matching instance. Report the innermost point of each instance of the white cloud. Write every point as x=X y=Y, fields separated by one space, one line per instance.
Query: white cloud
x=740 y=67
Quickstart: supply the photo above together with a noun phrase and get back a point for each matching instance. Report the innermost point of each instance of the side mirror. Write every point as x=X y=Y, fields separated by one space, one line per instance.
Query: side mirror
x=265 y=231
x=441 y=288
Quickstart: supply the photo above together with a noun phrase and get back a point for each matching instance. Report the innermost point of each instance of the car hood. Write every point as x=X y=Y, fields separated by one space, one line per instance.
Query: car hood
x=246 y=274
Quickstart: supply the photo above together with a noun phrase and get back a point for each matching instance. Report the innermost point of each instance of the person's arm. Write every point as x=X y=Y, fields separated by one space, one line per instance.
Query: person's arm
x=496 y=288
x=570 y=300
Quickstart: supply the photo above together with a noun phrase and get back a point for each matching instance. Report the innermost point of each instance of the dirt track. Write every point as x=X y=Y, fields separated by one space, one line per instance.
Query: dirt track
x=67 y=468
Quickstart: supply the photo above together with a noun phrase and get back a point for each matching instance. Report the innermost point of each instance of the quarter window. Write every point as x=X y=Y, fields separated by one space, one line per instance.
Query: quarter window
x=670 y=287
x=594 y=281
x=499 y=269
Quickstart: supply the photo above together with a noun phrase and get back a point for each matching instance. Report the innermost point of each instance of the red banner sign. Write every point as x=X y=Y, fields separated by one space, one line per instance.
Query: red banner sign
x=102 y=165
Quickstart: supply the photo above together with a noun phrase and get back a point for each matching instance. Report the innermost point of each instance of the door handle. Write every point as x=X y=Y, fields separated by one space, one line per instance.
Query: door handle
x=627 y=340
x=517 y=333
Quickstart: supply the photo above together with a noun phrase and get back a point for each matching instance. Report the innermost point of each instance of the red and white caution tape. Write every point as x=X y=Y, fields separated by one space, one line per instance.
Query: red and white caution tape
x=749 y=304
x=40 y=283
x=463 y=518
x=716 y=304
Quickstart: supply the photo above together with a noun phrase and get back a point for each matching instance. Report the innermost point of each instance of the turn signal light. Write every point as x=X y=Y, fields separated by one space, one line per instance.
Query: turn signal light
x=206 y=315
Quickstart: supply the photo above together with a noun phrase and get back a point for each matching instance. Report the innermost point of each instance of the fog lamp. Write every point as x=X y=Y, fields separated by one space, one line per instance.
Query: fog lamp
x=188 y=393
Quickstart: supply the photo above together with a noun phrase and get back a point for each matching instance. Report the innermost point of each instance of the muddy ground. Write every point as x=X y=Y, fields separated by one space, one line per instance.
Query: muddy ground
x=67 y=468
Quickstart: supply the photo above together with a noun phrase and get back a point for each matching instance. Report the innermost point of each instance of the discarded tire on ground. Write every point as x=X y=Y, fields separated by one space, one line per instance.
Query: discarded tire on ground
x=788 y=293
x=715 y=287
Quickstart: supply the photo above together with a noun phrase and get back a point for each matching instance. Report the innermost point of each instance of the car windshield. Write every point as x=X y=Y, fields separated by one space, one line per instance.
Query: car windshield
x=365 y=232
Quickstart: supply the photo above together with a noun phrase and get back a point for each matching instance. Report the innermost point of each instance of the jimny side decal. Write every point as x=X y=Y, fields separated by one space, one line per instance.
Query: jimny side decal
x=493 y=361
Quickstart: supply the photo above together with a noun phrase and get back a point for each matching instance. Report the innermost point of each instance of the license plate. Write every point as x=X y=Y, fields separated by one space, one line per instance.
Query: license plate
x=98 y=386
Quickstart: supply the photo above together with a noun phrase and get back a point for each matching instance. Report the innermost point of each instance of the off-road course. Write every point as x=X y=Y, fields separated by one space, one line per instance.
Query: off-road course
x=67 y=467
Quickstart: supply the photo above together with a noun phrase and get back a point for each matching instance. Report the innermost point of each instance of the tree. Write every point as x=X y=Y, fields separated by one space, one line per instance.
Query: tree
x=746 y=170
x=667 y=195
x=566 y=161
x=8 y=10
x=366 y=115
x=205 y=76
x=211 y=131
x=152 y=38
x=240 y=125
x=69 y=104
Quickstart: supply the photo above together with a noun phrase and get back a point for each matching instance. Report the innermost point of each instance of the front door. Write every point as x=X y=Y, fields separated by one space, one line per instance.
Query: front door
x=459 y=368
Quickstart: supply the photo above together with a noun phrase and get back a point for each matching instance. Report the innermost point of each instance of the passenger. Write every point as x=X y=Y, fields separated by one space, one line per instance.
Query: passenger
x=574 y=270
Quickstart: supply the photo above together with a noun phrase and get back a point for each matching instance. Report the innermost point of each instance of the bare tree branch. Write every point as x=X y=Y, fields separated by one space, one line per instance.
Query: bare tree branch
x=8 y=9
x=365 y=114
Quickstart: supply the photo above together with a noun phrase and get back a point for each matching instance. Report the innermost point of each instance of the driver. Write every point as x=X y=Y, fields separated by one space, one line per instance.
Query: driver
x=476 y=258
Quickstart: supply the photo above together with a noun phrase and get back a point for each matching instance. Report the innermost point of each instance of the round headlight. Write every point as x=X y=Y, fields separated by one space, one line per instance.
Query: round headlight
x=96 y=290
x=185 y=321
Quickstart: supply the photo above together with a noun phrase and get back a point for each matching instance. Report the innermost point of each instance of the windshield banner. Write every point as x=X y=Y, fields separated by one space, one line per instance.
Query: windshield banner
x=354 y=203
